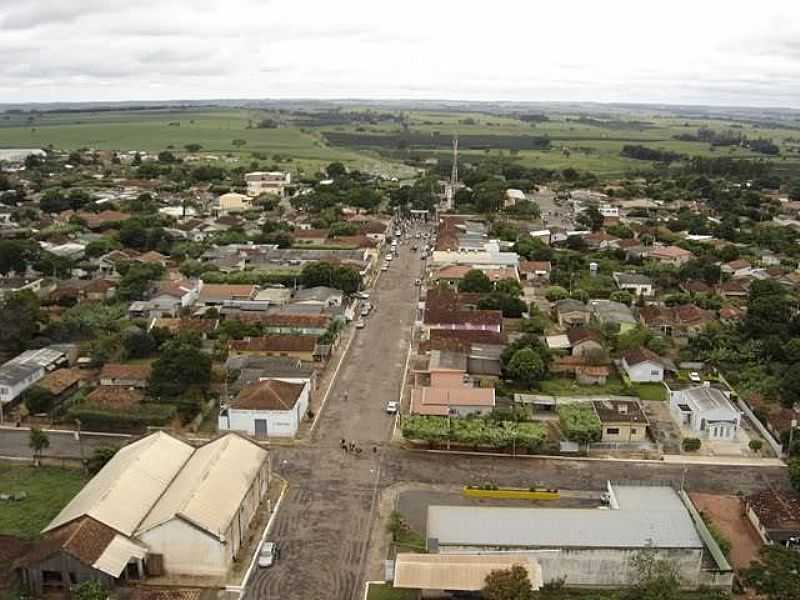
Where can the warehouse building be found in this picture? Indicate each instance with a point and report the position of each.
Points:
(590, 547)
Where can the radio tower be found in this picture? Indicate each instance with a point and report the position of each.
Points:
(450, 192)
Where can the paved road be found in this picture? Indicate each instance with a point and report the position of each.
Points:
(63, 444)
(324, 524)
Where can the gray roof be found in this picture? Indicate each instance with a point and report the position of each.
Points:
(570, 305)
(632, 279)
(444, 359)
(646, 516)
(612, 312)
(13, 374)
(711, 401)
(319, 293)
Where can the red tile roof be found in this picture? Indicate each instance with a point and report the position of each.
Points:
(276, 343)
(268, 395)
(125, 371)
(111, 396)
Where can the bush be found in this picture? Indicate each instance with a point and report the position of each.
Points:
(756, 445)
(691, 444)
(135, 418)
(579, 423)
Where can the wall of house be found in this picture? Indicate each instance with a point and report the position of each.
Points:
(624, 432)
(72, 572)
(589, 346)
(280, 423)
(188, 550)
(607, 567)
(9, 392)
(644, 372)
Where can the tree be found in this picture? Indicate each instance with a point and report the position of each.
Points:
(99, 458)
(507, 584)
(136, 281)
(555, 293)
(511, 306)
(19, 320)
(166, 157)
(336, 170)
(790, 386)
(317, 273)
(89, 590)
(38, 441)
(794, 473)
(192, 148)
(475, 281)
(38, 400)
(656, 578)
(15, 256)
(180, 366)
(579, 423)
(776, 573)
(138, 344)
(526, 367)
(239, 142)
(591, 218)
(509, 286)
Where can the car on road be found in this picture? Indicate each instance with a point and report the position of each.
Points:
(417, 282)
(392, 407)
(694, 377)
(385, 268)
(389, 257)
(362, 295)
(268, 554)
(360, 324)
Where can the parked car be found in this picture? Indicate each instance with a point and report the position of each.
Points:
(694, 377)
(417, 282)
(362, 295)
(360, 324)
(392, 407)
(267, 554)
(385, 267)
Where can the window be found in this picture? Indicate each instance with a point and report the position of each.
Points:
(655, 372)
(51, 577)
(612, 430)
(73, 578)
(633, 431)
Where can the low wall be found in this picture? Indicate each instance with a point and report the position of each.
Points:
(513, 494)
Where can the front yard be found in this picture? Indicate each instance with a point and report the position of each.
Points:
(47, 490)
(385, 591)
(566, 386)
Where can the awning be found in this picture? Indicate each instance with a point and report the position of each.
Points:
(117, 555)
(458, 572)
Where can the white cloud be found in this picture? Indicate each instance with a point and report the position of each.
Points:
(712, 51)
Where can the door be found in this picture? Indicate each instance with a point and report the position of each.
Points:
(261, 428)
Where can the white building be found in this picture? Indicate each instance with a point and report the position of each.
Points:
(635, 283)
(512, 197)
(162, 496)
(267, 182)
(20, 373)
(705, 411)
(267, 408)
(231, 203)
(643, 366)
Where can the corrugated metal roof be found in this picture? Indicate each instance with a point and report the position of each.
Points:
(647, 515)
(120, 495)
(463, 572)
(117, 555)
(209, 489)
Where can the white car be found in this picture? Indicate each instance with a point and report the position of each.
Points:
(389, 257)
(417, 282)
(385, 268)
(363, 295)
(360, 324)
(267, 554)
(392, 407)
(694, 376)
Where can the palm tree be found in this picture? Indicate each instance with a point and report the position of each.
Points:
(39, 441)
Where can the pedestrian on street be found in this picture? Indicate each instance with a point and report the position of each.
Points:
(345, 396)
(374, 449)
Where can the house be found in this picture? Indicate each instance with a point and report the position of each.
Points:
(694, 286)
(616, 314)
(570, 313)
(61, 382)
(585, 371)
(315, 237)
(320, 295)
(230, 203)
(512, 196)
(252, 368)
(642, 365)
(584, 341)
(186, 512)
(451, 275)
(172, 296)
(535, 271)
(446, 310)
(14, 285)
(267, 182)
(443, 369)
(669, 255)
(455, 339)
(203, 327)
(706, 412)
(734, 289)
(682, 321)
(267, 408)
(274, 295)
(587, 547)
(621, 420)
(31, 366)
(635, 283)
(217, 294)
(287, 323)
(600, 240)
(775, 514)
(454, 401)
(737, 268)
(98, 290)
(103, 219)
(125, 375)
(302, 347)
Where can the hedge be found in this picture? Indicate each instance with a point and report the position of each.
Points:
(579, 422)
(130, 419)
(474, 431)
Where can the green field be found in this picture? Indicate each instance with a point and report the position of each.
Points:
(48, 490)
(153, 131)
(583, 143)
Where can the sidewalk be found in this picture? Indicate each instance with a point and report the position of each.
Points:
(723, 460)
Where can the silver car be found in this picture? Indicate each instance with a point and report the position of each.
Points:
(267, 554)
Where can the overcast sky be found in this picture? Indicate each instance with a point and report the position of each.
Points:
(699, 51)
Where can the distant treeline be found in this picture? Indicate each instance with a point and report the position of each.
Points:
(436, 140)
(101, 109)
(534, 118)
(339, 117)
(640, 152)
(610, 123)
(730, 138)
